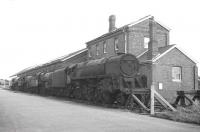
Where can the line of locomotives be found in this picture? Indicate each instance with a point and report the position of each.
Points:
(104, 81)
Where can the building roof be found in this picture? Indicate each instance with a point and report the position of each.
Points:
(145, 18)
(128, 25)
(74, 54)
(65, 57)
(25, 70)
(162, 52)
(57, 60)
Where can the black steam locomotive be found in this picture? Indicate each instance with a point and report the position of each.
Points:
(106, 80)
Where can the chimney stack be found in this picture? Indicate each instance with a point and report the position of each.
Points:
(152, 52)
(112, 19)
(153, 44)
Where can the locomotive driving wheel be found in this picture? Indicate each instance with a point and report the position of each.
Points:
(77, 93)
(69, 91)
(105, 91)
(130, 104)
(98, 95)
(90, 93)
(121, 99)
(84, 92)
(107, 98)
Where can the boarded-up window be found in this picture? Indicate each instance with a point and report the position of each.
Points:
(116, 44)
(146, 42)
(176, 73)
(104, 47)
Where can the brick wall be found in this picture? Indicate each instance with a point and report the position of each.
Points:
(162, 73)
(135, 40)
(136, 35)
(145, 69)
(110, 46)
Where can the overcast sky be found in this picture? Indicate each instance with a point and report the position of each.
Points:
(36, 31)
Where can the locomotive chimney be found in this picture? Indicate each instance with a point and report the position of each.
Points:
(153, 44)
(112, 19)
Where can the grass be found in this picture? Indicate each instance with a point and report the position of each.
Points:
(190, 114)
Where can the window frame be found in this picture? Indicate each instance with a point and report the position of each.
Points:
(89, 52)
(116, 45)
(97, 49)
(180, 74)
(146, 43)
(104, 47)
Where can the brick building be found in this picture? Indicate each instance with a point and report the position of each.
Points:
(164, 65)
(131, 38)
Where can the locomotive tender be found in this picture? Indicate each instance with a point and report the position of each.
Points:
(106, 80)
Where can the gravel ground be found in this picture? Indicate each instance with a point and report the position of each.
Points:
(20, 112)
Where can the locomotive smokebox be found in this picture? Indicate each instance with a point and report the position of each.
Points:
(112, 20)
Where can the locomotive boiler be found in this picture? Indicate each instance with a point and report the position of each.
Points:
(125, 65)
(104, 80)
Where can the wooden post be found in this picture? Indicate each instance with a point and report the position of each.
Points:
(152, 100)
(140, 103)
(163, 101)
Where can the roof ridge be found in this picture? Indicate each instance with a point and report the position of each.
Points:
(140, 20)
(164, 53)
(128, 25)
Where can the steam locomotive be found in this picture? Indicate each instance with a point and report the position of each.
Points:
(106, 80)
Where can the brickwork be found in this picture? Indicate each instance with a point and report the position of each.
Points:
(146, 70)
(135, 40)
(137, 33)
(109, 48)
(162, 72)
